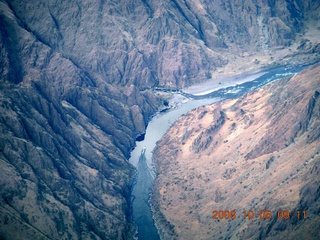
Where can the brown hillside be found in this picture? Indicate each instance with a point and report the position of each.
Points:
(259, 152)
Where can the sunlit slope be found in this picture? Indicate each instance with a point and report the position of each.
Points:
(259, 152)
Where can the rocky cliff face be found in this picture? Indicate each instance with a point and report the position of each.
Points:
(170, 43)
(66, 133)
(259, 152)
(75, 80)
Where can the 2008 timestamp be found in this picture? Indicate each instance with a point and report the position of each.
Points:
(263, 214)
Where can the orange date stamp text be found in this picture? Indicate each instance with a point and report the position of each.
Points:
(262, 214)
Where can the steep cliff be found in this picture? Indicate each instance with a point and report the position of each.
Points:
(66, 134)
(170, 43)
(75, 93)
(256, 153)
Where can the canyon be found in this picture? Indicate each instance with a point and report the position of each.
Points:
(256, 153)
(76, 92)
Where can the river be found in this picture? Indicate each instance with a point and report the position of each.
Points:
(141, 156)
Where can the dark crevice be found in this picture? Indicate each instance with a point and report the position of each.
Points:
(25, 26)
(11, 47)
(21, 219)
(89, 79)
(148, 8)
(199, 28)
(188, 20)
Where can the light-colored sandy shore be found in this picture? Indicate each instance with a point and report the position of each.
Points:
(247, 66)
(222, 82)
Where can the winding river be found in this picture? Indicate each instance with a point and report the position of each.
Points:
(141, 156)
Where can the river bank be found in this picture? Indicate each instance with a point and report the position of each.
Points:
(223, 82)
(165, 228)
(232, 80)
(161, 122)
(262, 134)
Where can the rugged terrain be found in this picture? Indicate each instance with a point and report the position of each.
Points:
(76, 81)
(66, 134)
(259, 152)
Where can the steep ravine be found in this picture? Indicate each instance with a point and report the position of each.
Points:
(64, 174)
(75, 93)
(64, 143)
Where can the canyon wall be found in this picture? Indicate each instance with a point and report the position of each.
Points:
(76, 81)
(256, 153)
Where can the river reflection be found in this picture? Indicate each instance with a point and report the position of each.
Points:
(141, 208)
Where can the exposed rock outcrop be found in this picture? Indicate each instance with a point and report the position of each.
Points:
(66, 133)
(149, 43)
(75, 93)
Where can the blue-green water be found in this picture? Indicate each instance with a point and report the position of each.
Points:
(141, 156)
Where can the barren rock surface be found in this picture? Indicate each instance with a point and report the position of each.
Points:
(75, 93)
(259, 152)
